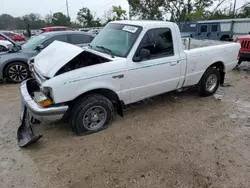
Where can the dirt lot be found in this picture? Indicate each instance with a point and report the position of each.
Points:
(174, 140)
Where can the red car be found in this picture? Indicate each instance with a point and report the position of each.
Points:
(55, 28)
(13, 36)
(244, 53)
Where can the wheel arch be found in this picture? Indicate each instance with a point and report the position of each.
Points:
(109, 94)
(223, 37)
(219, 65)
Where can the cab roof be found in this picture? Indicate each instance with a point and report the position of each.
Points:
(143, 23)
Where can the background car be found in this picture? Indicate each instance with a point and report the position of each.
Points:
(13, 36)
(244, 53)
(55, 28)
(13, 64)
(5, 45)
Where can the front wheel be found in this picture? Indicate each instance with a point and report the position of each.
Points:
(210, 82)
(17, 72)
(91, 114)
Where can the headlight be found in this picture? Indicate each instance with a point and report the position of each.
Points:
(9, 45)
(43, 97)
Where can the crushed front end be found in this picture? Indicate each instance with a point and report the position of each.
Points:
(36, 105)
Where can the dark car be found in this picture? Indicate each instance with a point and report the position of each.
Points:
(13, 64)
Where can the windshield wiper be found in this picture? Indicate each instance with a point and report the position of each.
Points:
(90, 45)
(107, 50)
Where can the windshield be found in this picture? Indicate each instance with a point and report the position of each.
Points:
(117, 38)
(33, 42)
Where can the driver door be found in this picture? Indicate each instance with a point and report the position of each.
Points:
(160, 73)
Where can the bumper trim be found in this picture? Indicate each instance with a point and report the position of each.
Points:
(34, 108)
(244, 55)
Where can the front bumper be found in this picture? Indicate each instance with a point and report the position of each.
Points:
(27, 87)
(244, 56)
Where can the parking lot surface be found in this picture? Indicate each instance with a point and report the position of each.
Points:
(173, 140)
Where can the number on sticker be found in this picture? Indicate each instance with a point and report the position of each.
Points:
(130, 29)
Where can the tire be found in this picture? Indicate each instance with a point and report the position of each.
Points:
(208, 87)
(3, 48)
(91, 114)
(225, 38)
(17, 72)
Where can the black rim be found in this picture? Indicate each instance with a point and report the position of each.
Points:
(18, 73)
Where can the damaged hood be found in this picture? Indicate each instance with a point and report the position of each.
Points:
(58, 54)
(55, 56)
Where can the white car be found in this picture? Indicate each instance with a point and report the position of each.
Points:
(5, 45)
(127, 62)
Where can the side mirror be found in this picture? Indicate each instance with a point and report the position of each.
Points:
(39, 47)
(144, 54)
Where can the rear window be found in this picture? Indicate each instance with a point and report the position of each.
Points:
(188, 27)
(80, 38)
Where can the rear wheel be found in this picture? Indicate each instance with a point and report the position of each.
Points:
(17, 72)
(210, 82)
(91, 114)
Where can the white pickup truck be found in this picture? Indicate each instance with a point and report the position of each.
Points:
(127, 62)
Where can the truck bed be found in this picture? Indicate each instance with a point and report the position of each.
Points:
(202, 53)
(190, 43)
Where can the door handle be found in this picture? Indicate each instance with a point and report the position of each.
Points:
(174, 63)
(118, 76)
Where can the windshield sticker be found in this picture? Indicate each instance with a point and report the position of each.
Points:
(130, 29)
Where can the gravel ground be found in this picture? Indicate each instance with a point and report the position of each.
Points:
(173, 140)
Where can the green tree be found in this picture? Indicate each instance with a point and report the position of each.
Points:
(244, 11)
(48, 20)
(34, 20)
(7, 22)
(60, 19)
(108, 16)
(118, 12)
(85, 17)
(147, 9)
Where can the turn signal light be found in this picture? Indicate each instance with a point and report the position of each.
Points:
(45, 103)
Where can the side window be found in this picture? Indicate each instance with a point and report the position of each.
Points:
(204, 28)
(214, 28)
(80, 39)
(159, 42)
(62, 38)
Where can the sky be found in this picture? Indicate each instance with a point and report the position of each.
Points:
(43, 7)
